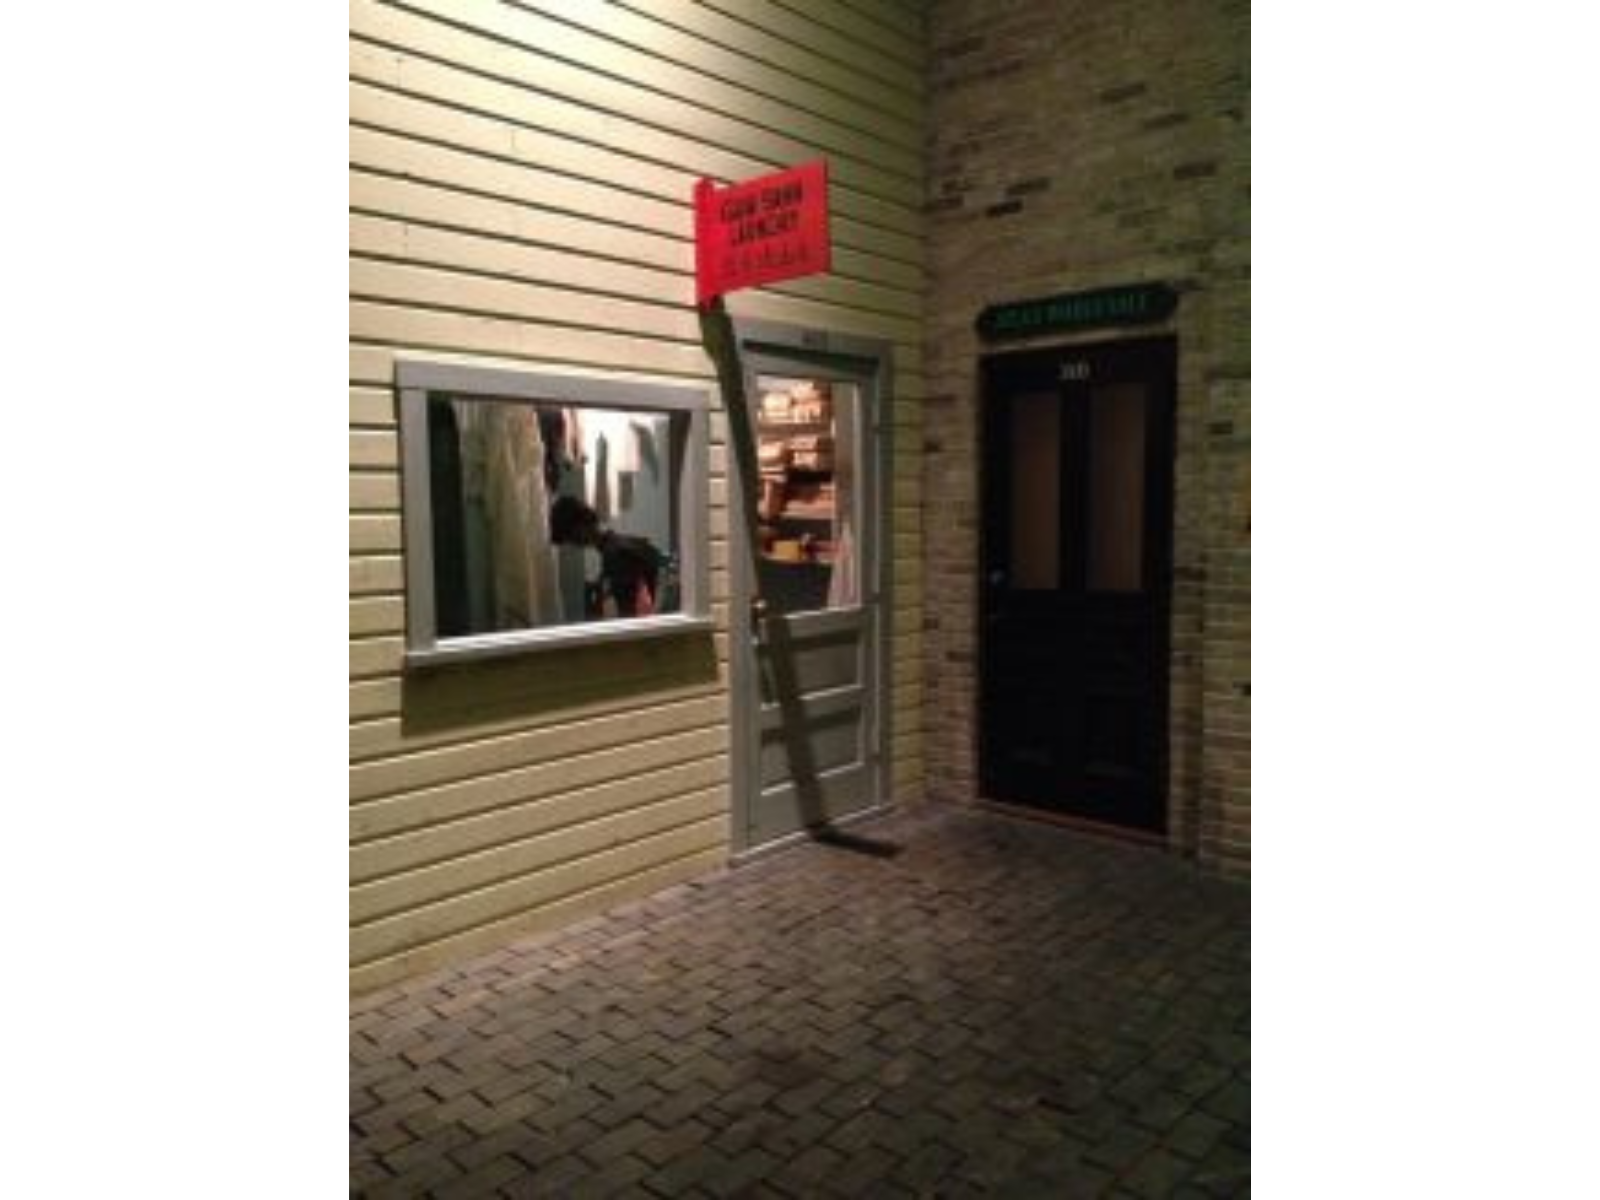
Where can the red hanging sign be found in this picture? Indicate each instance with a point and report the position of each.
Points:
(761, 231)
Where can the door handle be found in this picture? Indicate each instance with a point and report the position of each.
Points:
(758, 609)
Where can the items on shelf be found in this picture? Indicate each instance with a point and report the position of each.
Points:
(814, 500)
(808, 548)
(775, 406)
(806, 403)
(809, 401)
(812, 452)
(772, 492)
(773, 454)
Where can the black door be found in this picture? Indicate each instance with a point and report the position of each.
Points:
(1077, 535)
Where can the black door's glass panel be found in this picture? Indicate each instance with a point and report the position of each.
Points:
(1035, 517)
(1116, 488)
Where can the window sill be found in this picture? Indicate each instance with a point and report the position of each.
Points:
(561, 637)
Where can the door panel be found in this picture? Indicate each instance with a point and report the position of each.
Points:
(1075, 605)
(835, 742)
(818, 661)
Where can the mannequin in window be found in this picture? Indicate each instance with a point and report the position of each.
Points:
(630, 567)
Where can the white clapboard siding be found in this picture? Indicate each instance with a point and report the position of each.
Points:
(435, 188)
(375, 656)
(372, 367)
(374, 534)
(376, 576)
(632, 850)
(644, 202)
(513, 858)
(484, 251)
(587, 732)
(903, 17)
(798, 26)
(811, 60)
(587, 898)
(448, 802)
(867, 32)
(408, 218)
(497, 336)
(376, 698)
(400, 152)
(473, 66)
(434, 287)
(598, 72)
(374, 448)
(372, 407)
(440, 843)
(521, 176)
(560, 681)
(730, 80)
(430, 109)
(437, 288)
(385, 614)
(389, 738)
(374, 491)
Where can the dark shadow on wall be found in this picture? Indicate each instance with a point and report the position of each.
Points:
(453, 696)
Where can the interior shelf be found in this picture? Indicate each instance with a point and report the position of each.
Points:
(785, 515)
(797, 562)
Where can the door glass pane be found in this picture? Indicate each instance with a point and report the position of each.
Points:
(1116, 488)
(1035, 517)
(807, 443)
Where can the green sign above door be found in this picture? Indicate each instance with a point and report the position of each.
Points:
(1132, 304)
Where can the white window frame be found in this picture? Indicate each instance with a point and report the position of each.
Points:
(417, 377)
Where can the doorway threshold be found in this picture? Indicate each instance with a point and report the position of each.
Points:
(1116, 833)
(840, 833)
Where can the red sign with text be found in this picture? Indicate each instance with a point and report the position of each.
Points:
(761, 231)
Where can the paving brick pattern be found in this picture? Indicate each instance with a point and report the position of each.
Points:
(998, 1008)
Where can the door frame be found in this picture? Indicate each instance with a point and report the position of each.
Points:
(1162, 347)
(770, 347)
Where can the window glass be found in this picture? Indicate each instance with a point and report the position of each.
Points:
(1035, 517)
(806, 441)
(1116, 487)
(545, 513)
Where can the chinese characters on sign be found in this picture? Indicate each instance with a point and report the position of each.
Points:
(761, 231)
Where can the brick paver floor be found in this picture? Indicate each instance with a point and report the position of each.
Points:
(998, 1007)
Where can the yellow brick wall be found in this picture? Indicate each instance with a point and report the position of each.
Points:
(1076, 145)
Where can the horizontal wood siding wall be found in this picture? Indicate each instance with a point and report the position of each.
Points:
(519, 182)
